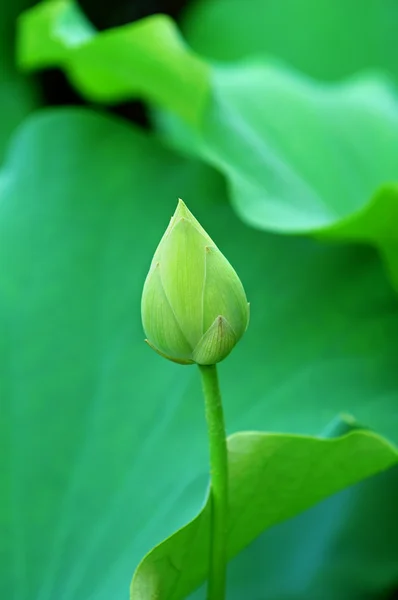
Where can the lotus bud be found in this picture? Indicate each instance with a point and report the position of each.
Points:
(194, 308)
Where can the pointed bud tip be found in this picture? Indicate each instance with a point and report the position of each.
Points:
(181, 207)
(182, 210)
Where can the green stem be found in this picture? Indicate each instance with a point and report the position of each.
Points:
(218, 483)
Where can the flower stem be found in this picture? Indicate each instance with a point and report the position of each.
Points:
(218, 483)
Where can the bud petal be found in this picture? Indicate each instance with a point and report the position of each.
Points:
(225, 299)
(160, 323)
(182, 267)
(216, 343)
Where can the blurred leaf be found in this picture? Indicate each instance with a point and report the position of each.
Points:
(9, 12)
(300, 156)
(327, 40)
(17, 96)
(95, 427)
(17, 100)
(303, 157)
(147, 58)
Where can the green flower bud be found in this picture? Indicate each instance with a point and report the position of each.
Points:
(194, 308)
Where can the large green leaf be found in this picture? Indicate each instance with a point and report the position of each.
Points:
(104, 445)
(299, 156)
(272, 477)
(322, 38)
(343, 548)
(304, 157)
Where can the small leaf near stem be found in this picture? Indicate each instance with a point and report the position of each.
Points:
(218, 483)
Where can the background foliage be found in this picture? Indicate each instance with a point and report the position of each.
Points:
(104, 447)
